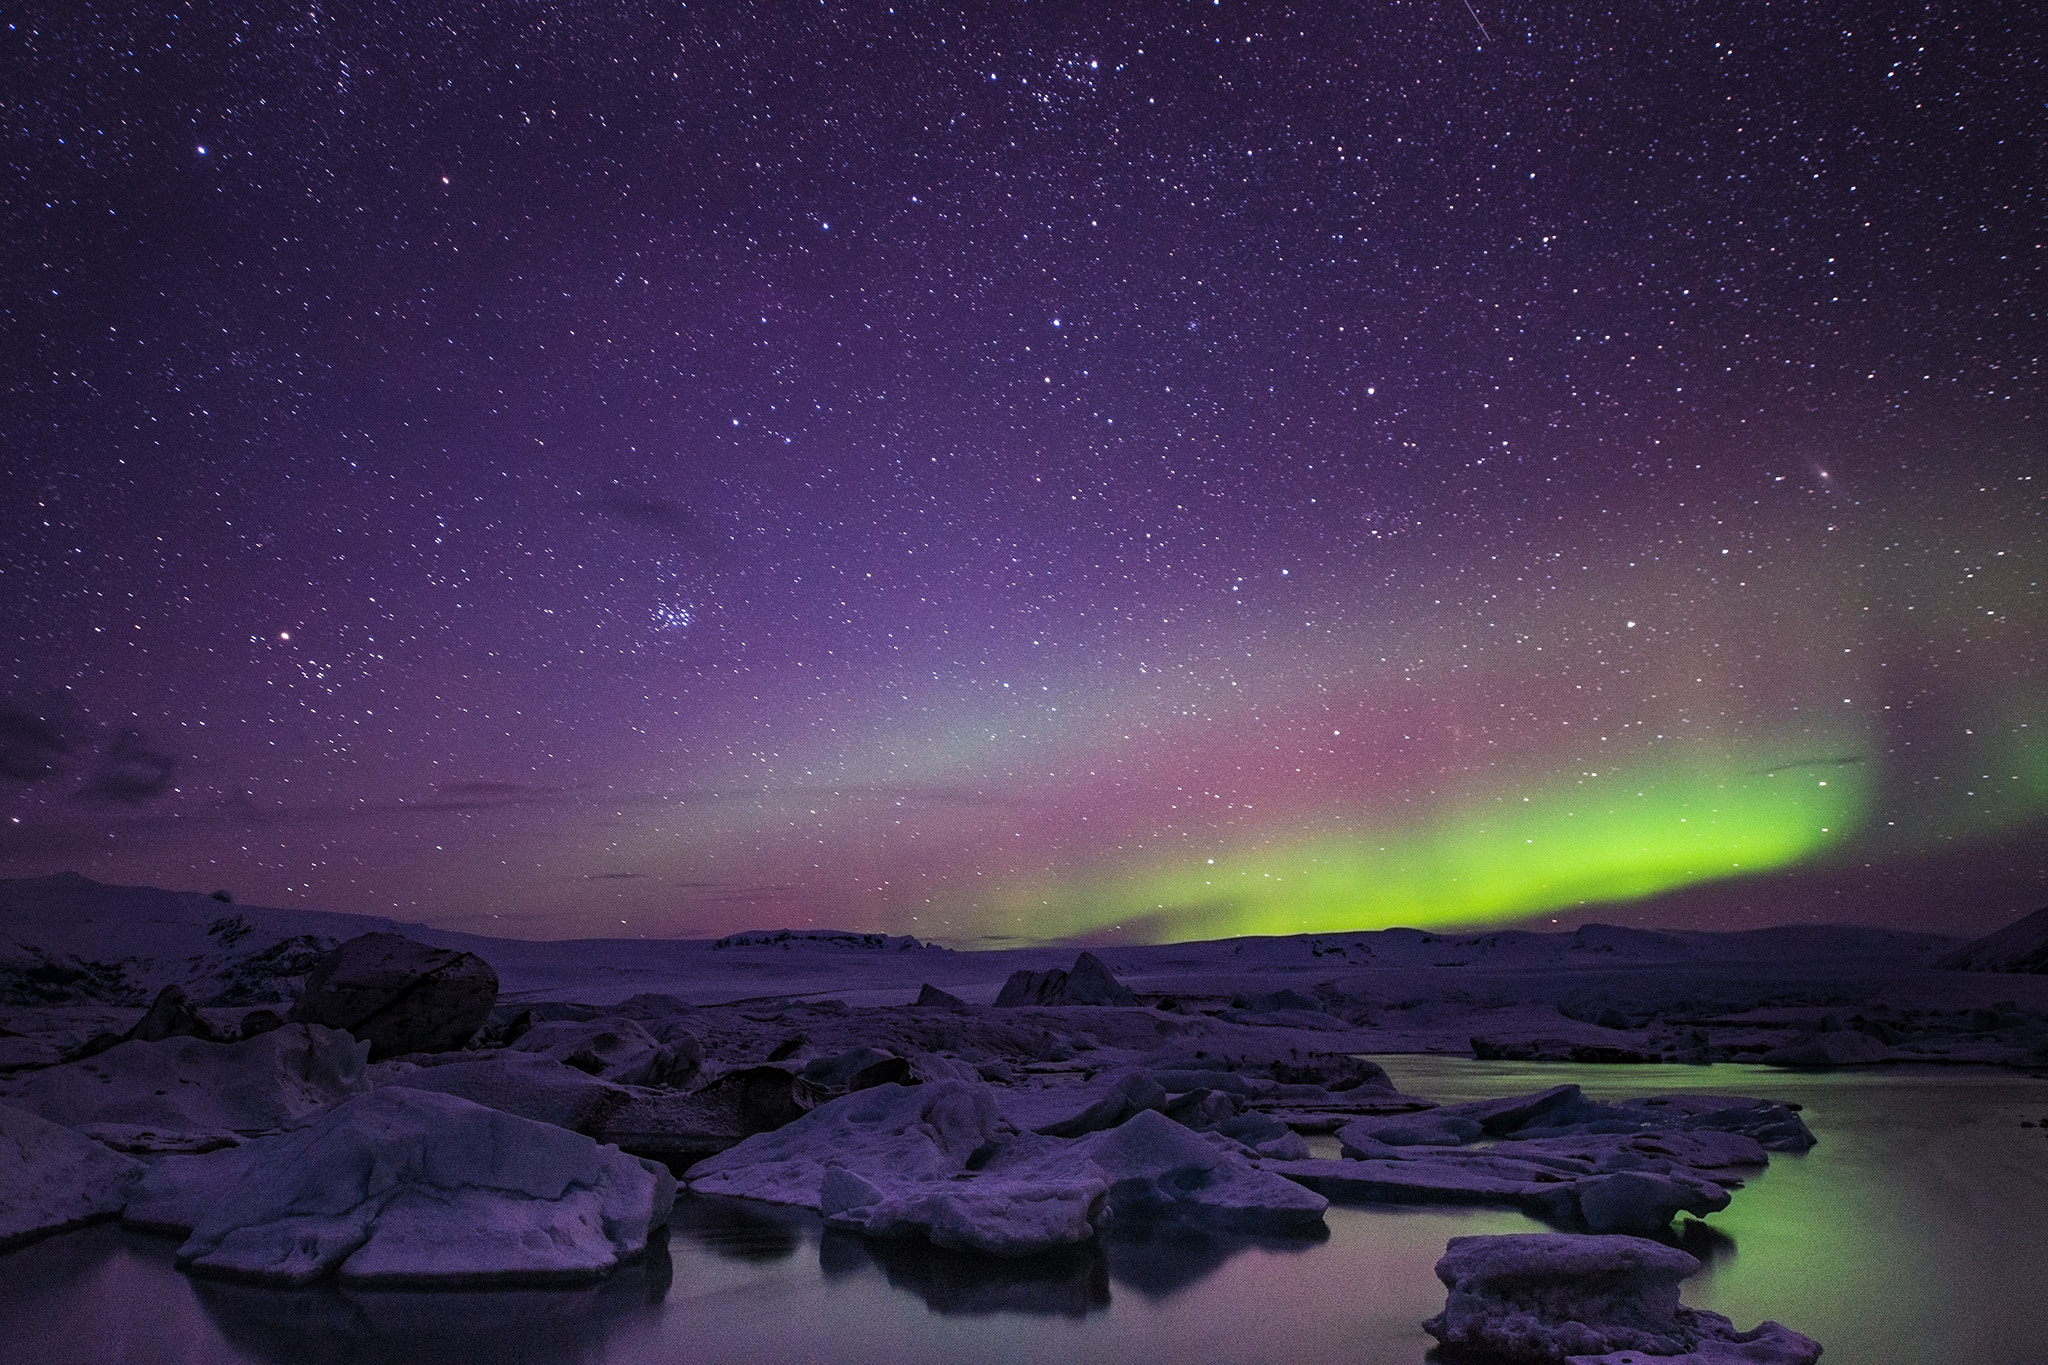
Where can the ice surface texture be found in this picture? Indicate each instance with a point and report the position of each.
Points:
(407, 1187)
(938, 1161)
(185, 1094)
(52, 1178)
(1565, 1297)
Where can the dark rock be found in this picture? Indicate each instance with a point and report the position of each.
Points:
(1845, 1047)
(34, 978)
(1202, 1110)
(760, 1098)
(1639, 1203)
(270, 975)
(931, 997)
(1090, 983)
(859, 1068)
(506, 1026)
(260, 1021)
(1286, 1000)
(1132, 1095)
(1338, 1072)
(2019, 947)
(1361, 1137)
(1557, 1050)
(1517, 1050)
(1561, 1104)
(399, 996)
(94, 1046)
(171, 1016)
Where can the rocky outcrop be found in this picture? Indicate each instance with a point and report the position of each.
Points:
(930, 997)
(2019, 947)
(171, 1016)
(399, 996)
(1842, 1047)
(404, 1187)
(1089, 983)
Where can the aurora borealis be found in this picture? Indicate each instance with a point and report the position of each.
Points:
(1201, 470)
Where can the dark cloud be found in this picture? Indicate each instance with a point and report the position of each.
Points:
(484, 794)
(32, 745)
(131, 772)
(489, 787)
(689, 526)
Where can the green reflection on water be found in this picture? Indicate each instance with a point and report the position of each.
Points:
(1912, 1233)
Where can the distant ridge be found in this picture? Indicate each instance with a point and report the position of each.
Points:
(2019, 947)
(822, 938)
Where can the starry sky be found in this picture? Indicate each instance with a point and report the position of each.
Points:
(1029, 470)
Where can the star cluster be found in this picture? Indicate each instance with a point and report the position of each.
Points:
(1171, 470)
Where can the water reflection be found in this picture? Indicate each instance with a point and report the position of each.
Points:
(1169, 1258)
(741, 1229)
(1070, 1283)
(1706, 1244)
(325, 1324)
(1912, 1233)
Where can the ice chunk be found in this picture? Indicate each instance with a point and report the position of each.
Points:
(404, 1186)
(533, 1087)
(615, 1049)
(891, 1134)
(1560, 1296)
(1132, 1092)
(1156, 1168)
(996, 1216)
(1641, 1202)
(52, 1178)
(1432, 1128)
(181, 1093)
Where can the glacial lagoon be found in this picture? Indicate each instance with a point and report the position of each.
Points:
(1917, 1231)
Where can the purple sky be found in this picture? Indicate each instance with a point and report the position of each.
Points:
(1138, 472)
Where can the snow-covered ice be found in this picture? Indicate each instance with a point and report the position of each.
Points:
(52, 1178)
(178, 1094)
(405, 1186)
(1564, 1297)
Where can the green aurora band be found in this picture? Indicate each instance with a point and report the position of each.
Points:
(1605, 837)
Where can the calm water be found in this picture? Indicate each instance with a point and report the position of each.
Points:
(1916, 1232)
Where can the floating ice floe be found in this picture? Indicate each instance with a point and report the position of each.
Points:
(405, 1186)
(1591, 1301)
(52, 1178)
(1604, 1168)
(937, 1161)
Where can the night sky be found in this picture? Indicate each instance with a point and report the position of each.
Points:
(1012, 471)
